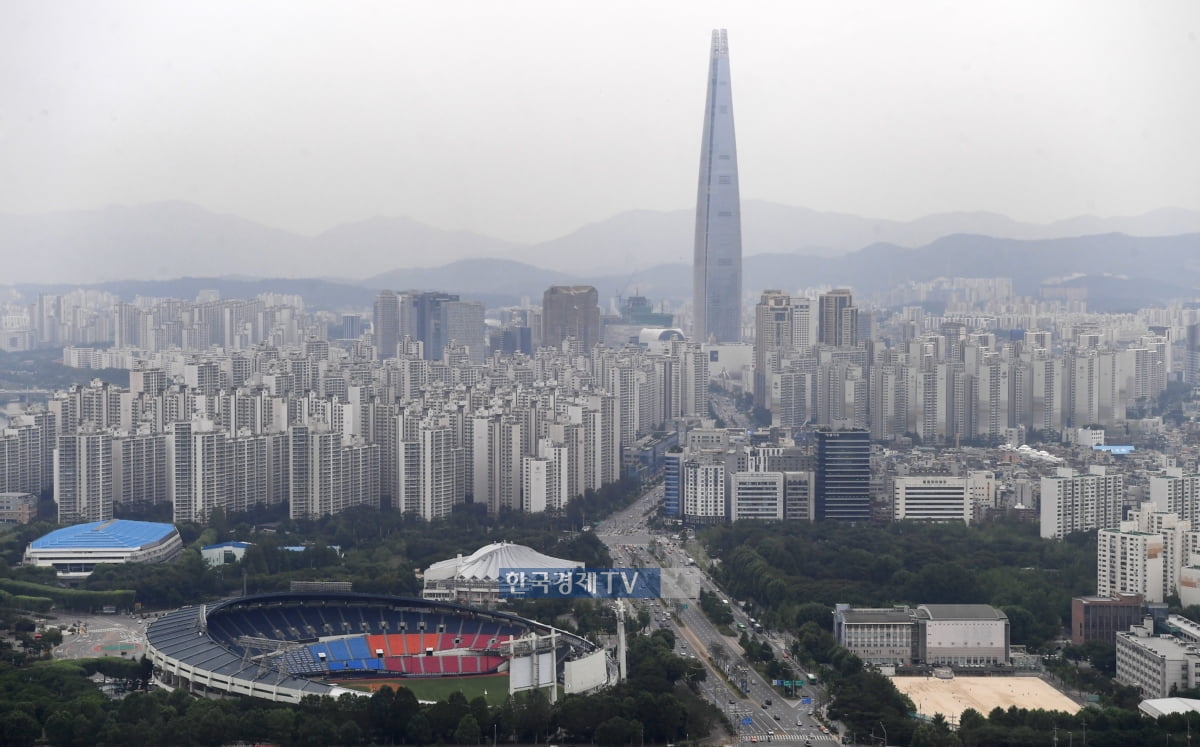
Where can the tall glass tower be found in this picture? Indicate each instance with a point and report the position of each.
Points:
(717, 273)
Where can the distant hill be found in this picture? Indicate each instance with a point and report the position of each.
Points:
(1121, 273)
(175, 239)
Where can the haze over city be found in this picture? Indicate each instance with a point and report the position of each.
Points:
(526, 121)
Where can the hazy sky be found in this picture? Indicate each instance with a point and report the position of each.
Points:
(525, 120)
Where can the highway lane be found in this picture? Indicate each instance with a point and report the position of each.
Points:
(628, 539)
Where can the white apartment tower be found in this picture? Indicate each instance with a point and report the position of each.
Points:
(83, 484)
(1080, 503)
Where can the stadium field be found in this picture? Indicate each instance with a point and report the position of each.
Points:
(494, 687)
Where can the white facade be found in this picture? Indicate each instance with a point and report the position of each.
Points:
(931, 498)
(1155, 664)
(1130, 561)
(1177, 493)
(1080, 503)
(756, 495)
(83, 480)
(703, 491)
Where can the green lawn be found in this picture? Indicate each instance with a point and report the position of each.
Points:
(440, 688)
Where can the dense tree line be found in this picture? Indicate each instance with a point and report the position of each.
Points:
(797, 571)
(57, 701)
(378, 551)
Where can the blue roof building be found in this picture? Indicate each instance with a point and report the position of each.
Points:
(76, 550)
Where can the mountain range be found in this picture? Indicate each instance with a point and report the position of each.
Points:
(176, 239)
(1121, 272)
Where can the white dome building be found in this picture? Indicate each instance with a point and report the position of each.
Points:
(475, 579)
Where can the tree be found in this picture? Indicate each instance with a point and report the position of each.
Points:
(614, 732)
(468, 731)
(418, 730)
(19, 729)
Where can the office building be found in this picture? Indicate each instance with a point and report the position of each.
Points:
(717, 269)
(1156, 664)
(931, 498)
(1100, 618)
(843, 479)
(429, 320)
(837, 318)
(462, 324)
(386, 324)
(570, 311)
(756, 495)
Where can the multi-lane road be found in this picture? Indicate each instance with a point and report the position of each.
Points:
(760, 713)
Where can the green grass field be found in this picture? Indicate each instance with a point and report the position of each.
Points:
(435, 688)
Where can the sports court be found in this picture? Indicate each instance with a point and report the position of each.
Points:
(950, 697)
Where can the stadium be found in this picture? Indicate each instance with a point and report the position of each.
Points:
(288, 645)
(74, 551)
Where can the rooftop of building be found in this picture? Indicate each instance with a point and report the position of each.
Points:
(1163, 645)
(112, 534)
(1155, 707)
(960, 612)
(486, 562)
(869, 616)
(234, 544)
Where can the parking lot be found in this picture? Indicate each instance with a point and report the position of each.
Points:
(101, 635)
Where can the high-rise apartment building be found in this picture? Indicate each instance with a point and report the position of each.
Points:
(1080, 503)
(570, 311)
(843, 479)
(83, 480)
(717, 269)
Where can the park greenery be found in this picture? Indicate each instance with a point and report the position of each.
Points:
(378, 551)
(58, 702)
(795, 572)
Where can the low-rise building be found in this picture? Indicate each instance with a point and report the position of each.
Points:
(75, 551)
(880, 637)
(1156, 664)
(962, 635)
(224, 552)
(17, 508)
(475, 579)
(1100, 618)
(955, 635)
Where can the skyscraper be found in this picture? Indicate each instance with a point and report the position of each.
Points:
(838, 318)
(570, 311)
(387, 324)
(717, 272)
(843, 490)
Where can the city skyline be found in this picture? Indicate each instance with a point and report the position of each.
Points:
(895, 113)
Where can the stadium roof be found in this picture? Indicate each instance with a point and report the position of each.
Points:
(486, 562)
(114, 533)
